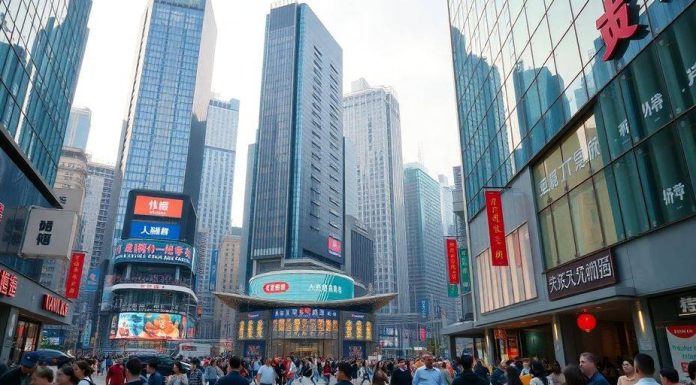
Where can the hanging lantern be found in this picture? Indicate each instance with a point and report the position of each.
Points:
(587, 322)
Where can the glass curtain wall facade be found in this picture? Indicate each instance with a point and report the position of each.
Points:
(77, 132)
(41, 48)
(298, 193)
(371, 121)
(215, 200)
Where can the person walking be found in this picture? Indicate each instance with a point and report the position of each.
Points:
(195, 376)
(538, 373)
(116, 374)
(21, 375)
(234, 377)
(178, 377)
(42, 376)
(134, 369)
(644, 369)
(401, 375)
(669, 376)
(629, 374)
(498, 377)
(66, 376)
(267, 374)
(343, 374)
(153, 376)
(380, 375)
(512, 376)
(467, 377)
(574, 376)
(83, 371)
(556, 376)
(428, 375)
(210, 375)
(588, 366)
(326, 372)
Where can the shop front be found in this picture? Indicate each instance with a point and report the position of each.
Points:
(674, 320)
(25, 307)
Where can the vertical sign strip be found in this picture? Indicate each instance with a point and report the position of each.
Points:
(452, 261)
(464, 270)
(496, 228)
(72, 284)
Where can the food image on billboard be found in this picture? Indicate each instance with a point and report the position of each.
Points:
(158, 206)
(148, 326)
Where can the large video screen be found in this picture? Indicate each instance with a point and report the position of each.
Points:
(148, 326)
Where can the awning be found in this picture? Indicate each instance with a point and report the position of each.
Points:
(234, 300)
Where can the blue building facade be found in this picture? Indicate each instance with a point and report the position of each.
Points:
(590, 138)
(298, 193)
(79, 123)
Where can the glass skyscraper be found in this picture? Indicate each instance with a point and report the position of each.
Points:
(77, 132)
(41, 49)
(581, 113)
(215, 201)
(372, 122)
(298, 177)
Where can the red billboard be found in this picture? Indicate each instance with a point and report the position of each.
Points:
(334, 246)
(72, 283)
(452, 261)
(496, 228)
(158, 206)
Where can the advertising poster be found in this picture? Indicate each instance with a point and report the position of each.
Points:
(212, 283)
(158, 206)
(149, 326)
(682, 346)
(154, 230)
(311, 286)
(92, 282)
(254, 349)
(305, 322)
(354, 350)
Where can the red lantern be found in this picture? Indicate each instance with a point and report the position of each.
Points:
(587, 322)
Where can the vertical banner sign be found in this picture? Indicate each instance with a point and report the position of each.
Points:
(212, 282)
(496, 228)
(452, 261)
(464, 270)
(72, 284)
(453, 291)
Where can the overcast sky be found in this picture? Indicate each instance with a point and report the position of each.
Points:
(399, 43)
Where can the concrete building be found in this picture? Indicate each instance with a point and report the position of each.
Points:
(77, 132)
(215, 200)
(227, 280)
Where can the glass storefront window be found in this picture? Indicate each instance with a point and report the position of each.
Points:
(585, 215)
(665, 179)
(687, 133)
(562, 225)
(645, 95)
(548, 238)
(575, 155)
(630, 196)
(678, 58)
(614, 122)
(609, 210)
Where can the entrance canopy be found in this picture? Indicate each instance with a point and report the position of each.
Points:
(237, 301)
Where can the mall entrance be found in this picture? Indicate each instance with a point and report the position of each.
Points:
(304, 348)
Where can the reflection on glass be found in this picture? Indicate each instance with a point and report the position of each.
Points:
(586, 223)
(678, 55)
(687, 133)
(563, 229)
(609, 210)
(560, 18)
(548, 238)
(630, 195)
(614, 125)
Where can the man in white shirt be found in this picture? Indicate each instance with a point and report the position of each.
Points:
(266, 375)
(645, 369)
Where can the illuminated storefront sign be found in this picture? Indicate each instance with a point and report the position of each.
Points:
(154, 252)
(334, 247)
(148, 326)
(304, 322)
(314, 286)
(8, 284)
(581, 275)
(55, 305)
(357, 327)
(158, 206)
(154, 230)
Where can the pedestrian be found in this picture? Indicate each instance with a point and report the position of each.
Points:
(153, 376)
(255, 367)
(42, 376)
(538, 373)
(467, 377)
(66, 376)
(669, 376)
(574, 376)
(343, 371)
(512, 376)
(267, 374)
(401, 375)
(428, 375)
(629, 374)
(134, 369)
(326, 372)
(116, 374)
(588, 366)
(380, 375)
(195, 376)
(644, 369)
(498, 377)
(178, 377)
(22, 373)
(691, 369)
(556, 376)
(445, 373)
(481, 370)
(234, 377)
(83, 371)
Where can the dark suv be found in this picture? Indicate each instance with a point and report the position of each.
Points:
(164, 363)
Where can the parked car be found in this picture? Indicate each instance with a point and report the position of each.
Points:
(52, 357)
(164, 362)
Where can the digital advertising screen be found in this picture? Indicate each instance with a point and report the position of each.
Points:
(154, 230)
(305, 322)
(158, 206)
(312, 286)
(148, 326)
(154, 251)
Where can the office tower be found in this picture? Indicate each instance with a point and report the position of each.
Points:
(425, 244)
(227, 279)
(77, 133)
(360, 254)
(446, 210)
(163, 135)
(298, 178)
(215, 200)
(371, 121)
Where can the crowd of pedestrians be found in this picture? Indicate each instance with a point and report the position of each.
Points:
(424, 370)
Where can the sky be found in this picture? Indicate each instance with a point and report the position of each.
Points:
(399, 43)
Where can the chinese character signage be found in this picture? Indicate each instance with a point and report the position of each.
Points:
(464, 270)
(49, 233)
(55, 305)
(581, 275)
(72, 282)
(8, 284)
(452, 261)
(424, 309)
(303, 322)
(314, 286)
(687, 306)
(615, 25)
(453, 291)
(334, 247)
(212, 281)
(496, 228)
(575, 162)
(154, 230)
(158, 206)
(154, 251)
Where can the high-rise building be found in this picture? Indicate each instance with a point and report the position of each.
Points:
(446, 208)
(371, 121)
(576, 124)
(215, 200)
(425, 244)
(163, 135)
(227, 280)
(297, 218)
(77, 132)
(360, 254)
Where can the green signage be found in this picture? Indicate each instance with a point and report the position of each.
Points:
(464, 271)
(453, 291)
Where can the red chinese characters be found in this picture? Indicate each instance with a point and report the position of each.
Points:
(615, 25)
(72, 284)
(452, 261)
(8, 284)
(496, 228)
(276, 287)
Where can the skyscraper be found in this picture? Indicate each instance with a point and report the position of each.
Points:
(446, 208)
(371, 121)
(227, 280)
(425, 244)
(162, 141)
(298, 177)
(77, 132)
(215, 200)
